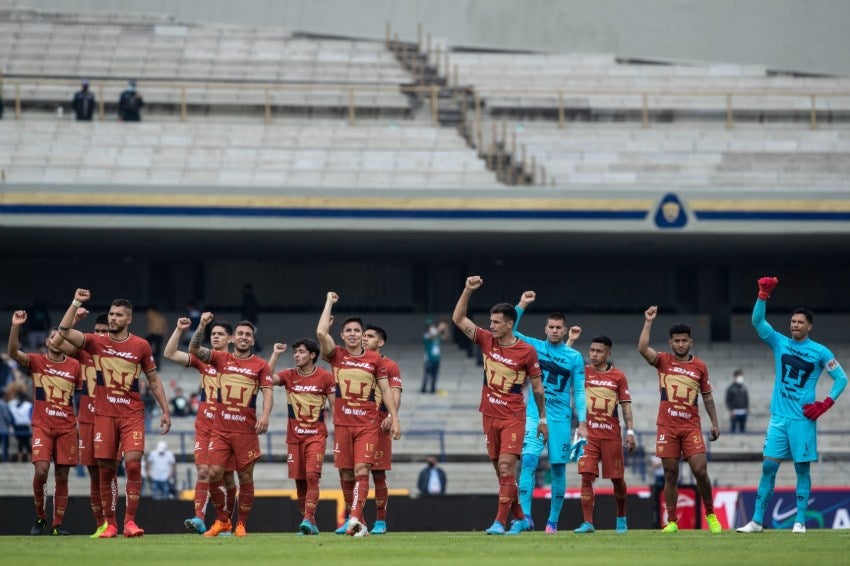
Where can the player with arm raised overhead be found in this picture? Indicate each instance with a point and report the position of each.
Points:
(120, 358)
(794, 410)
(682, 377)
(563, 379)
(56, 378)
(508, 363)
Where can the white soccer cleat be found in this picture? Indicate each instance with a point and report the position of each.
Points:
(354, 527)
(799, 528)
(751, 527)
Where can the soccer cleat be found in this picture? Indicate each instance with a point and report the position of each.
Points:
(132, 530)
(195, 524)
(799, 528)
(585, 528)
(39, 528)
(379, 528)
(751, 527)
(308, 528)
(496, 528)
(111, 531)
(713, 523)
(530, 522)
(99, 530)
(363, 532)
(621, 525)
(671, 527)
(518, 526)
(240, 531)
(354, 526)
(59, 531)
(218, 528)
(342, 528)
(551, 528)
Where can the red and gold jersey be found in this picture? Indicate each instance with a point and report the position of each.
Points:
(54, 384)
(239, 380)
(205, 419)
(604, 391)
(119, 365)
(680, 383)
(392, 372)
(305, 398)
(87, 396)
(505, 370)
(356, 378)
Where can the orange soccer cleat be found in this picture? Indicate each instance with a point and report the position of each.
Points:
(217, 528)
(132, 530)
(240, 531)
(111, 531)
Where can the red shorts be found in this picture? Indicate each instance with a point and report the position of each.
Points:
(306, 456)
(679, 442)
(607, 451)
(203, 435)
(354, 445)
(114, 435)
(237, 449)
(384, 452)
(86, 446)
(503, 436)
(58, 445)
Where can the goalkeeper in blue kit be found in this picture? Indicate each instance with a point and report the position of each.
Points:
(563, 369)
(792, 432)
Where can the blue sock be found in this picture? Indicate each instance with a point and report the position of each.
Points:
(559, 485)
(804, 489)
(765, 490)
(526, 482)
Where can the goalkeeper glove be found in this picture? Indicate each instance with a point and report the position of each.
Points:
(813, 410)
(577, 447)
(766, 285)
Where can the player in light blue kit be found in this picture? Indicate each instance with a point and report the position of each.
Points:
(562, 368)
(792, 433)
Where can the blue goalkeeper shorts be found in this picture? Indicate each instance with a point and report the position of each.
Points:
(791, 439)
(558, 445)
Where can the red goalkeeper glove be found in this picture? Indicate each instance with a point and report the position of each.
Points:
(766, 285)
(813, 410)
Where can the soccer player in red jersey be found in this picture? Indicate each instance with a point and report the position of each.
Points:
(605, 389)
(221, 334)
(56, 377)
(308, 388)
(682, 377)
(86, 412)
(356, 374)
(374, 338)
(508, 362)
(241, 376)
(119, 358)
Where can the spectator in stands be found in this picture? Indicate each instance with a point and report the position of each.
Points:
(130, 104)
(180, 404)
(157, 327)
(738, 402)
(434, 334)
(161, 471)
(432, 479)
(6, 430)
(83, 102)
(20, 408)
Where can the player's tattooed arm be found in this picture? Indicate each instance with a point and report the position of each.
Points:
(708, 401)
(459, 315)
(195, 347)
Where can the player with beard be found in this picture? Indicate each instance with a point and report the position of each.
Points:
(235, 436)
(119, 358)
(221, 334)
(56, 377)
(356, 374)
(681, 378)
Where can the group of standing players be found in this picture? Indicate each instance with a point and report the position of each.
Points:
(363, 392)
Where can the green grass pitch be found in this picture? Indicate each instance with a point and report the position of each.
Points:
(815, 548)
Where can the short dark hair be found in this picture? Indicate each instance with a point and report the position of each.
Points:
(247, 323)
(602, 339)
(225, 325)
(356, 319)
(810, 316)
(122, 303)
(680, 328)
(378, 330)
(102, 319)
(310, 345)
(505, 309)
(557, 316)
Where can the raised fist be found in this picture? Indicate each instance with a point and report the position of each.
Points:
(207, 318)
(332, 297)
(279, 348)
(474, 282)
(651, 313)
(82, 295)
(19, 317)
(184, 323)
(766, 285)
(527, 298)
(80, 314)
